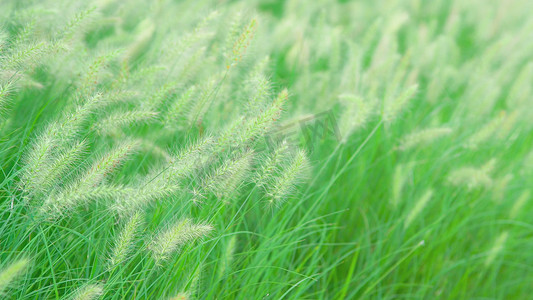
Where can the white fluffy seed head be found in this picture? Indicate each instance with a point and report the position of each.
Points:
(89, 292)
(417, 208)
(486, 132)
(10, 273)
(226, 179)
(87, 84)
(119, 119)
(271, 165)
(36, 163)
(472, 177)
(5, 91)
(227, 260)
(54, 168)
(175, 117)
(190, 158)
(181, 296)
(141, 197)
(356, 114)
(241, 43)
(60, 203)
(519, 204)
(260, 91)
(56, 138)
(402, 173)
(109, 162)
(125, 241)
(393, 108)
(284, 184)
(500, 187)
(171, 239)
(423, 137)
(246, 130)
(497, 248)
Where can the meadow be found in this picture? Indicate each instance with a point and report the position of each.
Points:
(266, 149)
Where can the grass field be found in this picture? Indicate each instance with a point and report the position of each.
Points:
(266, 149)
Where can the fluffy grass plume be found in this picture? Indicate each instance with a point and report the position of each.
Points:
(88, 292)
(497, 248)
(423, 137)
(283, 185)
(473, 177)
(11, 272)
(317, 141)
(271, 165)
(417, 208)
(171, 239)
(125, 241)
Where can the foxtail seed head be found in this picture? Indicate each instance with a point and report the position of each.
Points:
(89, 292)
(11, 272)
(171, 239)
(286, 182)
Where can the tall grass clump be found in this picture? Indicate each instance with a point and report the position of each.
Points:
(266, 149)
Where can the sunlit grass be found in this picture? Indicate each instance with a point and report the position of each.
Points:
(266, 149)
